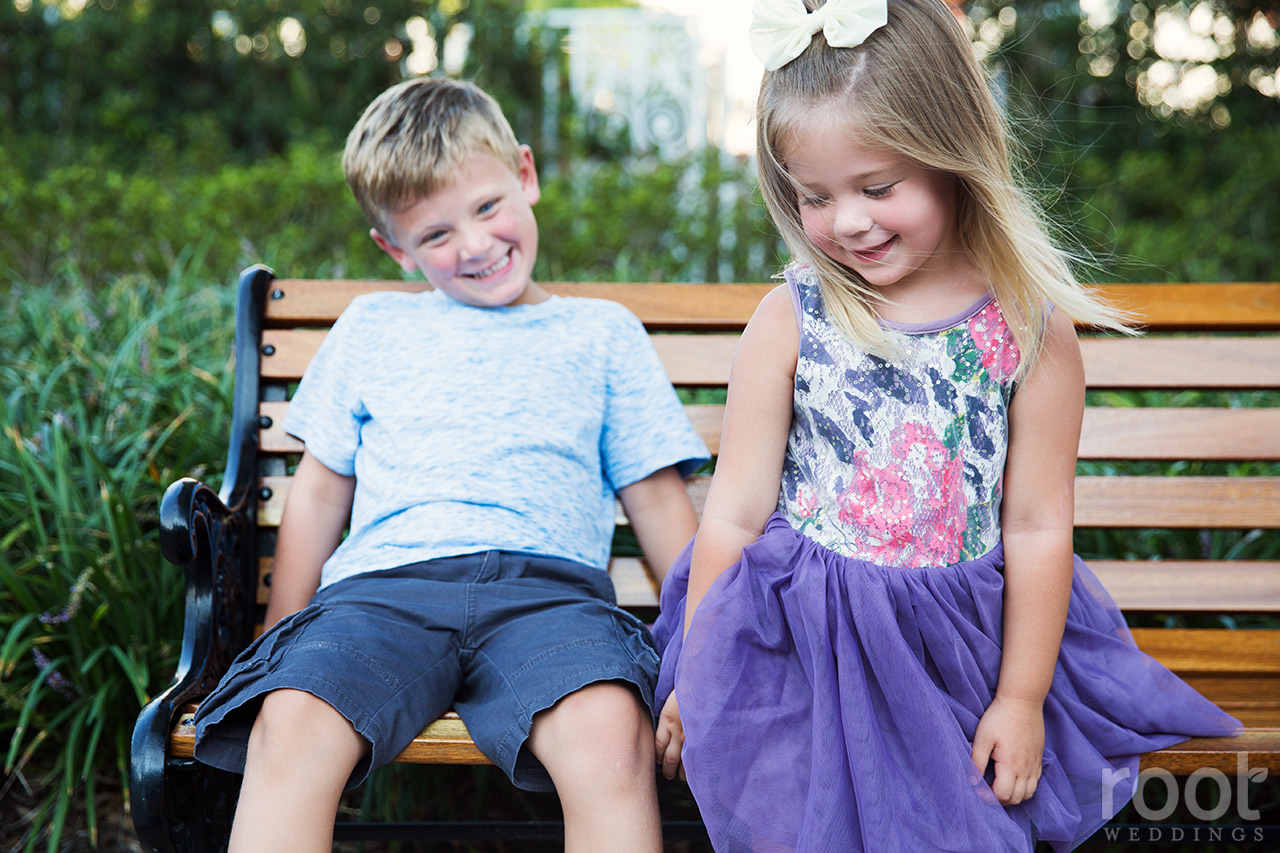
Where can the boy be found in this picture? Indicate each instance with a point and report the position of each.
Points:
(472, 437)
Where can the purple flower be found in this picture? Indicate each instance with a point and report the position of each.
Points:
(55, 679)
(73, 603)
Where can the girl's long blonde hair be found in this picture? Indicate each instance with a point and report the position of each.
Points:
(915, 88)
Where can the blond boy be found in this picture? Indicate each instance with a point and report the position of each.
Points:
(472, 438)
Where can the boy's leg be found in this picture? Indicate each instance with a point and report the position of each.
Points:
(597, 745)
(301, 753)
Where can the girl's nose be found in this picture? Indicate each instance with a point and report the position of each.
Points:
(850, 219)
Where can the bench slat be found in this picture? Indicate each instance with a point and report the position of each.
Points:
(1172, 434)
(1177, 502)
(1136, 434)
(686, 307)
(446, 741)
(1107, 501)
(1224, 754)
(1242, 305)
(1254, 700)
(1225, 586)
(1216, 651)
(1216, 305)
(704, 360)
(706, 420)
(1179, 363)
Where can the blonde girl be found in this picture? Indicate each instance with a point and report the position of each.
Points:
(880, 638)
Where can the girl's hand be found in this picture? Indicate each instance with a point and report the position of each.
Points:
(1011, 733)
(670, 739)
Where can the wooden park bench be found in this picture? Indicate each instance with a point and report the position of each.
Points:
(1180, 445)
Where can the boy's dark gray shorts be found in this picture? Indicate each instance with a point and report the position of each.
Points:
(498, 636)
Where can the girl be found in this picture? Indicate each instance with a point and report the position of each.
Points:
(880, 638)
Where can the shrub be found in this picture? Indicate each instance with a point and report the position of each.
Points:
(103, 388)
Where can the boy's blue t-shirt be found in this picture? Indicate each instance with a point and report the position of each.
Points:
(474, 429)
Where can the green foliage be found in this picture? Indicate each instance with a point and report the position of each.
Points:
(1202, 212)
(124, 72)
(102, 387)
(109, 221)
(149, 154)
(693, 220)
(1107, 74)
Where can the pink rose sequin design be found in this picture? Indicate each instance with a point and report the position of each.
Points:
(901, 521)
(996, 344)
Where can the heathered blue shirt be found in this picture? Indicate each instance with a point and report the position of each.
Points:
(473, 429)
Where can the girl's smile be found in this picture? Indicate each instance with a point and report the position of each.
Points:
(875, 253)
(882, 215)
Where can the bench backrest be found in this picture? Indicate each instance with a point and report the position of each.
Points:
(1180, 440)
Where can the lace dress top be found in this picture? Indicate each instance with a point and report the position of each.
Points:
(900, 463)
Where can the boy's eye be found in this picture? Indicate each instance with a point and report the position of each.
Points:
(878, 192)
(488, 206)
(433, 236)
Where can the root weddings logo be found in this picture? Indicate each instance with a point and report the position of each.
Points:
(1197, 793)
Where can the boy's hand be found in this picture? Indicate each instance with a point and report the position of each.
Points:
(670, 739)
(1011, 733)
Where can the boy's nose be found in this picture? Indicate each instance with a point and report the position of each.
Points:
(475, 242)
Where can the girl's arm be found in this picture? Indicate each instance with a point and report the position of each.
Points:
(757, 418)
(744, 489)
(315, 514)
(662, 517)
(1037, 522)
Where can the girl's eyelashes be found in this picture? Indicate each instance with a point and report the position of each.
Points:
(817, 200)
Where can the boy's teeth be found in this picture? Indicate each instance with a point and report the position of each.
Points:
(489, 270)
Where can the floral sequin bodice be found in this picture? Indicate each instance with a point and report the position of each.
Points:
(900, 463)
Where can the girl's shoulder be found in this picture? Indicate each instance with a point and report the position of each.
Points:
(772, 336)
(801, 279)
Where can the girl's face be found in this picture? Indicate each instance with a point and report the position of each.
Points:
(886, 217)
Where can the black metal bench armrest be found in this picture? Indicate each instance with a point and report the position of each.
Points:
(213, 537)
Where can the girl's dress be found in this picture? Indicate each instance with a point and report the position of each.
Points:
(832, 680)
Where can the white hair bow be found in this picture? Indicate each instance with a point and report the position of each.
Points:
(782, 29)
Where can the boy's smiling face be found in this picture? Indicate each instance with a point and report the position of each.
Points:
(475, 238)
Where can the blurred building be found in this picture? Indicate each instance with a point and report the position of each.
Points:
(640, 69)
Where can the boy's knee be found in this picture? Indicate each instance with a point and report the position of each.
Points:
(295, 723)
(599, 731)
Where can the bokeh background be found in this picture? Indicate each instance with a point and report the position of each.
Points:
(149, 149)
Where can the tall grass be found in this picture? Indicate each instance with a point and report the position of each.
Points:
(110, 392)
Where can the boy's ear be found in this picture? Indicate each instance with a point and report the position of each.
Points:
(400, 256)
(528, 175)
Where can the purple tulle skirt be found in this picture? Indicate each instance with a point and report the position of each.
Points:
(829, 704)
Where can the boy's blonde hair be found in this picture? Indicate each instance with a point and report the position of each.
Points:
(414, 138)
(915, 88)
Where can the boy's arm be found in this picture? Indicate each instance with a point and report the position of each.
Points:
(315, 514)
(661, 515)
(1037, 521)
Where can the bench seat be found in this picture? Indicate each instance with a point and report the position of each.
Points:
(1177, 496)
